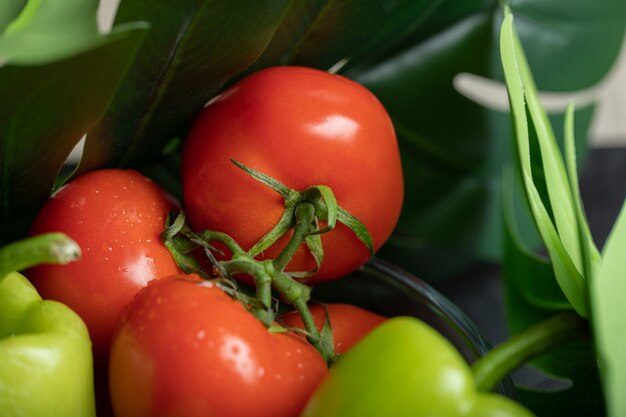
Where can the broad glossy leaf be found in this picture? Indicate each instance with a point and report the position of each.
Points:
(609, 310)
(197, 48)
(193, 49)
(346, 30)
(50, 97)
(415, 82)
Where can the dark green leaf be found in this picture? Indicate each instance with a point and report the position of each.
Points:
(46, 108)
(453, 149)
(355, 29)
(194, 47)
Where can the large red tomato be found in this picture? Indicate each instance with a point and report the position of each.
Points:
(302, 127)
(116, 217)
(349, 323)
(186, 349)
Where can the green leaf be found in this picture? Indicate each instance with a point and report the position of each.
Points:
(193, 49)
(530, 274)
(46, 31)
(531, 296)
(519, 86)
(607, 302)
(351, 30)
(588, 250)
(453, 149)
(9, 10)
(51, 95)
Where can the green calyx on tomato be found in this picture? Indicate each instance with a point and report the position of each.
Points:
(404, 368)
(301, 127)
(298, 127)
(304, 212)
(267, 274)
(326, 209)
(46, 367)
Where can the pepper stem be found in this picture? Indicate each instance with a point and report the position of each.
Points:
(534, 341)
(50, 248)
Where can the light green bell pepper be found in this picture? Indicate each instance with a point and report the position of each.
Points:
(404, 368)
(46, 365)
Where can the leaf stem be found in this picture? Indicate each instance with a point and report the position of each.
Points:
(534, 341)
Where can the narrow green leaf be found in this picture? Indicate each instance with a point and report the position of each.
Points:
(588, 250)
(558, 186)
(530, 274)
(527, 303)
(566, 273)
(609, 310)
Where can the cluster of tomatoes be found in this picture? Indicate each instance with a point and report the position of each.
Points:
(177, 344)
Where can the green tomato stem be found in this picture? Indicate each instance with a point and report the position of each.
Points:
(54, 248)
(534, 341)
(305, 214)
(314, 337)
(298, 295)
(229, 242)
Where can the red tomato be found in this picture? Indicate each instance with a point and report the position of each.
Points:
(302, 127)
(187, 349)
(348, 323)
(116, 217)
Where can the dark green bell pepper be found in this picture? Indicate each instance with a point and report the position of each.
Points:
(404, 368)
(45, 352)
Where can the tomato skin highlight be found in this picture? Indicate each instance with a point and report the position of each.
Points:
(185, 348)
(116, 217)
(303, 127)
(349, 323)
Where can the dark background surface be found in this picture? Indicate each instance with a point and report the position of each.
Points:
(479, 291)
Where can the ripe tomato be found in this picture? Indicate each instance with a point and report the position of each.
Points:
(116, 217)
(184, 348)
(349, 323)
(302, 127)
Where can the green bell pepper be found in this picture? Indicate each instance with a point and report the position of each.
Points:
(404, 368)
(45, 352)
